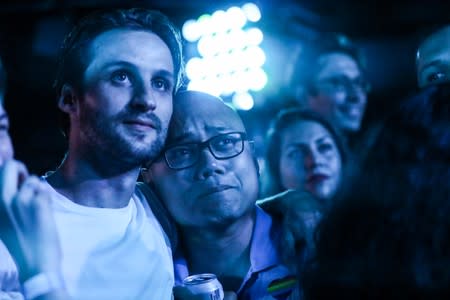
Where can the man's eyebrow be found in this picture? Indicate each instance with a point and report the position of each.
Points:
(165, 73)
(323, 138)
(123, 63)
(434, 63)
(4, 116)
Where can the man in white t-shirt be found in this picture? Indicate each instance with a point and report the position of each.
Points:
(117, 75)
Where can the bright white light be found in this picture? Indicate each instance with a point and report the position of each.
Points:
(237, 60)
(236, 17)
(191, 31)
(254, 57)
(228, 85)
(222, 63)
(254, 36)
(237, 39)
(243, 101)
(221, 42)
(252, 12)
(226, 63)
(219, 21)
(206, 46)
(241, 80)
(257, 79)
(209, 86)
(204, 23)
(230, 59)
(195, 68)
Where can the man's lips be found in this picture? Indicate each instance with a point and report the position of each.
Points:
(216, 189)
(140, 123)
(317, 178)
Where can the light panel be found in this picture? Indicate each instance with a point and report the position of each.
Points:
(230, 62)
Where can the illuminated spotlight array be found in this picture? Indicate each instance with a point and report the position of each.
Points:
(230, 60)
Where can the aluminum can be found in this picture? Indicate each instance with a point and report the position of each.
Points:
(204, 286)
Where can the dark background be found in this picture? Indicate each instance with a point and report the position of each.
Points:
(31, 33)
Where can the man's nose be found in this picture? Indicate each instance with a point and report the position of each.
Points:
(208, 165)
(356, 94)
(144, 98)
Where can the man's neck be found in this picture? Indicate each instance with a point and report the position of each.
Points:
(84, 184)
(224, 252)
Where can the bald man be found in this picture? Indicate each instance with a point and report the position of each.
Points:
(207, 177)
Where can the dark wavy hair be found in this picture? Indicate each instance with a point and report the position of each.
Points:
(72, 58)
(2, 78)
(417, 131)
(271, 183)
(387, 236)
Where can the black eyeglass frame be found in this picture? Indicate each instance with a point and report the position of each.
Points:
(206, 144)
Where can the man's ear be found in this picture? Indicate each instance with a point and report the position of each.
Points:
(67, 100)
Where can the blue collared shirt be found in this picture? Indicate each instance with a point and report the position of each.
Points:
(265, 262)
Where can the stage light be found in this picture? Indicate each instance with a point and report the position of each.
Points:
(191, 30)
(252, 12)
(243, 101)
(231, 59)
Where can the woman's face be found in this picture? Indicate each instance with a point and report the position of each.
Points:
(310, 159)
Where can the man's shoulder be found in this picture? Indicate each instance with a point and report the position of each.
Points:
(152, 202)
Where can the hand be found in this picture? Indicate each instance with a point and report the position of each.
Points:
(26, 199)
(182, 293)
(9, 276)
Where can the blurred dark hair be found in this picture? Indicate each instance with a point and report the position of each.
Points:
(387, 236)
(2, 78)
(271, 183)
(306, 65)
(73, 59)
(383, 239)
(418, 131)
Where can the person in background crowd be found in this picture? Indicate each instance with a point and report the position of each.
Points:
(207, 176)
(304, 152)
(387, 236)
(329, 79)
(433, 58)
(6, 148)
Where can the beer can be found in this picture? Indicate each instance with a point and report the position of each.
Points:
(204, 286)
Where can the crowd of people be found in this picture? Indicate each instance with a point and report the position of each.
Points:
(340, 218)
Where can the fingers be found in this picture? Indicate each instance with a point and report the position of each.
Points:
(183, 293)
(24, 204)
(12, 175)
(9, 278)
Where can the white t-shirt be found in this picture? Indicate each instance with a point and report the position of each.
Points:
(113, 253)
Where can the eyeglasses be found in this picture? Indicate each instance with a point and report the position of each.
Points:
(339, 84)
(223, 146)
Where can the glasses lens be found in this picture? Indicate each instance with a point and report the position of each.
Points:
(182, 156)
(342, 83)
(227, 145)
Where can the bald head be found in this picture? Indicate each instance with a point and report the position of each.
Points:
(198, 111)
(433, 58)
